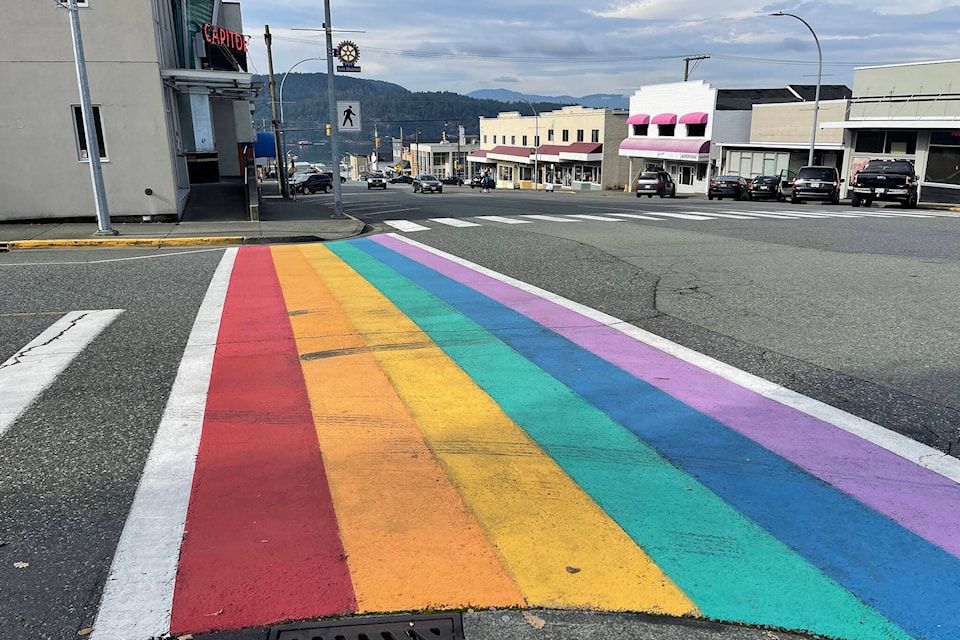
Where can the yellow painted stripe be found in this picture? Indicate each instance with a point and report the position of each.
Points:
(411, 542)
(121, 243)
(561, 548)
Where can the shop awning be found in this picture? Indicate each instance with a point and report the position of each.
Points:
(639, 118)
(665, 118)
(583, 151)
(667, 148)
(478, 156)
(228, 84)
(523, 155)
(696, 117)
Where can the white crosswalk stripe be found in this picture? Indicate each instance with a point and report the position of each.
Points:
(455, 222)
(405, 225)
(665, 216)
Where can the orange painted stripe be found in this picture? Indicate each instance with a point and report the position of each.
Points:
(411, 542)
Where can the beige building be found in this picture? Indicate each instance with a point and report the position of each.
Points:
(907, 111)
(570, 148)
(441, 158)
(170, 97)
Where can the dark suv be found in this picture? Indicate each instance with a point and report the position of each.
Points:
(816, 183)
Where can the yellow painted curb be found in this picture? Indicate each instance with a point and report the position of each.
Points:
(125, 242)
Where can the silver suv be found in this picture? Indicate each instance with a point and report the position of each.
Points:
(376, 179)
(816, 183)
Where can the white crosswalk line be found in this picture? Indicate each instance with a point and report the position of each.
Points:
(587, 216)
(549, 218)
(726, 215)
(405, 225)
(25, 375)
(454, 222)
(504, 220)
(893, 215)
(637, 216)
(683, 216)
(808, 214)
(775, 216)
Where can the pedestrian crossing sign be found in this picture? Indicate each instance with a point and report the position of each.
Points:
(348, 116)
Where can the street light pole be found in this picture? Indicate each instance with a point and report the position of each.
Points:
(283, 125)
(536, 147)
(104, 227)
(816, 100)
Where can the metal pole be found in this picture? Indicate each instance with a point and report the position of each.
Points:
(104, 227)
(816, 99)
(283, 125)
(536, 145)
(278, 145)
(334, 116)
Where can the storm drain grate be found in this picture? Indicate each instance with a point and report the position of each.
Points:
(426, 627)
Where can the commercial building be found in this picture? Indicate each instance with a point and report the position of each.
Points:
(682, 128)
(907, 111)
(441, 158)
(171, 103)
(570, 148)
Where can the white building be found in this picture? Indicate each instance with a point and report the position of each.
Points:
(170, 96)
(681, 127)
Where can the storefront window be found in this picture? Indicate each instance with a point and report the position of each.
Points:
(869, 142)
(506, 172)
(943, 159)
(686, 174)
(901, 143)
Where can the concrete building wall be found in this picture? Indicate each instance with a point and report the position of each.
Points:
(927, 90)
(37, 130)
(616, 168)
(792, 122)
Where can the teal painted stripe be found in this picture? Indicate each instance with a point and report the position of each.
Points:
(731, 568)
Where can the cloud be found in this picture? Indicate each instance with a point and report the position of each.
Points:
(504, 79)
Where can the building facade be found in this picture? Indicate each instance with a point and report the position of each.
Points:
(442, 158)
(909, 111)
(171, 102)
(570, 148)
(682, 128)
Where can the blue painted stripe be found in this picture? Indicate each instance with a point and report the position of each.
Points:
(909, 580)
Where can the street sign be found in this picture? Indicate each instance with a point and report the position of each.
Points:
(348, 116)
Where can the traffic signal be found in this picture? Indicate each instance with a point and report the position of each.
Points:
(377, 141)
(328, 129)
(443, 136)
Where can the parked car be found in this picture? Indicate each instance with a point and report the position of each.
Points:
(426, 182)
(816, 183)
(401, 180)
(656, 183)
(763, 187)
(454, 180)
(296, 181)
(376, 179)
(317, 182)
(727, 187)
(476, 182)
(342, 177)
(890, 180)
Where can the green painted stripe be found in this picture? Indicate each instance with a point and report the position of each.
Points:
(731, 568)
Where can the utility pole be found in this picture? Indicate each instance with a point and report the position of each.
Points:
(281, 163)
(686, 65)
(104, 227)
(334, 116)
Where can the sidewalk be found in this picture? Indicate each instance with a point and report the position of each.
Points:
(281, 221)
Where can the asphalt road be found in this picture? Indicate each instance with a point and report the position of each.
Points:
(858, 312)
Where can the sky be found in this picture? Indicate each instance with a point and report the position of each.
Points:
(562, 47)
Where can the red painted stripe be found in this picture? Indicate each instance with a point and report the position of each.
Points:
(261, 543)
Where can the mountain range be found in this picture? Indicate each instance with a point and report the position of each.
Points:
(595, 100)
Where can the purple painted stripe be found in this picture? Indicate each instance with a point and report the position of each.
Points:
(920, 500)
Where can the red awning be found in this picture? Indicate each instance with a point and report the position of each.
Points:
(665, 118)
(697, 117)
(639, 118)
(584, 147)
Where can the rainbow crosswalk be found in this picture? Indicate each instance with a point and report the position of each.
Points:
(389, 428)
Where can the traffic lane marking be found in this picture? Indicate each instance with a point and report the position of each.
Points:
(28, 372)
(138, 593)
(261, 542)
(696, 540)
(408, 536)
(539, 519)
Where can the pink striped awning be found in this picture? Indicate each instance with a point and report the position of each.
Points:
(697, 117)
(639, 118)
(665, 118)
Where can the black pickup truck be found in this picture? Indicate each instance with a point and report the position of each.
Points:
(890, 180)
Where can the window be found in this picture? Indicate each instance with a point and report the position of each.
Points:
(901, 143)
(579, 135)
(513, 139)
(595, 135)
(536, 141)
(506, 172)
(494, 138)
(869, 142)
(523, 141)
(641, 129)
(566, 135)
(83, 3)
(667, 129)
(484, 138)
(943, 160)
(696, 130)
(549, 135)
(82, 154)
